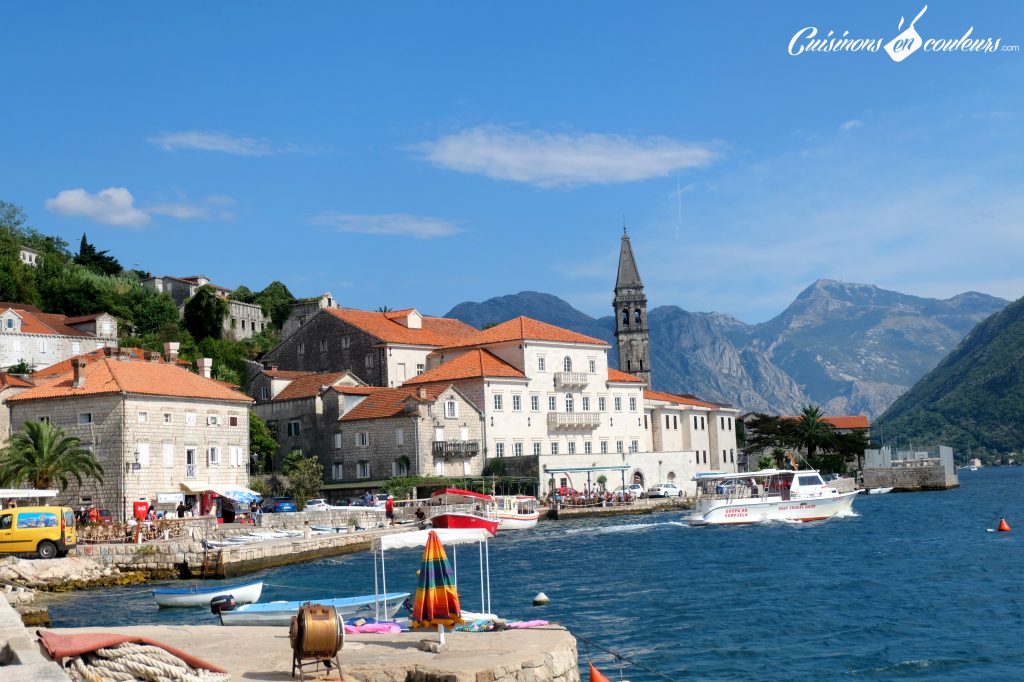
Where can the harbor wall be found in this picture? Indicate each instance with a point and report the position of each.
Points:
(363, 517)
(908, 479)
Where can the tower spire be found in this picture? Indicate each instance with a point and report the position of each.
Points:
(630, 305)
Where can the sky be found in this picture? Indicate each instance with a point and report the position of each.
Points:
(425, 154)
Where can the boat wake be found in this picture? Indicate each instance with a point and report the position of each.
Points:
(846, 514)
(624, 528)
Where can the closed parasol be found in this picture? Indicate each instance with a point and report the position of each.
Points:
(437, 601)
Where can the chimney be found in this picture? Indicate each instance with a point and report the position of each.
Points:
(421, 392)
(152, 356)
(205, 367)
(78, 366)
(171, 351)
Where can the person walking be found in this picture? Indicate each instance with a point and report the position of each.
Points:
(389, 510)
(181, 509)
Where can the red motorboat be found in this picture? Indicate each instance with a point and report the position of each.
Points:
(457, 508)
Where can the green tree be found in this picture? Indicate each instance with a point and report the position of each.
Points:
(812, 431)
(766, 462)
(152, 312)
(42, 455)
(98, 261)
(21, 367)
(261, 442)
(305, 477)
(204, 314)
(276, 301)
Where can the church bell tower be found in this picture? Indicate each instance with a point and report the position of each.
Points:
(630, 304)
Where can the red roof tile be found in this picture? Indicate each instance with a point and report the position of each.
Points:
(114, 375)
(475, 363)
(64, 366)
(12, 381)
(436, 331)
(387, 402)
(616, 375)
(524, 329)
(285, 373)
(308, 386)
(35, 322)
(680, 399)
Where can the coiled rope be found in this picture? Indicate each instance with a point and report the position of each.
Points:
(128, 662)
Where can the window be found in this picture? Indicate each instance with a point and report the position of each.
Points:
(703, 425)
(439, 467)
(212, 419)
(10, 323)
(567, 364)
(604, 447)
(729, 422)
(540, 360)
(399, 436)
(85, 417)
(362, 469)
(499, 449)
(363, 439)
(705, 456)
(346, 342)
(419, 368)
(675, 422)
(535, 403)
(536, 447)
(233, 322)
(625, 316)
(265, 393)
(236, 456)
(44, 420)
(190, 418)
(243, 323)
(168, 454)
(588, 447)
(636, 316)
(337, 441)
(695, 426)
(586, 403)
(697, 457)
(301, 350)
(399, 468)
(517, 402)
(451, 409)
(632, 403)
(232, 421)
(569, 403)
(336, 472)
(593, 366)
(668, 421)
(463, 433)
(618, 446)
(572, 447)
(368, 362)
(517, 449)
(721, 422)
(497, 402)
(168, 418)
(552, 403)
(213, 456)
(554, 448)
(294, 428)
(323, 345)
(634, 446)
(732, 455)
(618, 403)
(143, 451)
(76, 348)
(601, 404)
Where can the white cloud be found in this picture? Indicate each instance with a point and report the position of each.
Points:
(560, 159)
(213, 207)
(390, 224)
(847, 126)
(112, 206)
(180, 211)
(214, 142)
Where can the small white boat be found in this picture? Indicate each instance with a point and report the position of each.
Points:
(381, 607)
(766, 495)
(516, 512)
(879, 491)
(202, 596)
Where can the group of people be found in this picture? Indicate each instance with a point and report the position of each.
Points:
(88, 515)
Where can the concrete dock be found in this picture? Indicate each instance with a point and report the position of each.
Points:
(264, 653)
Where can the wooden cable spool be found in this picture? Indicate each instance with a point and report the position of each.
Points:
(317, 635)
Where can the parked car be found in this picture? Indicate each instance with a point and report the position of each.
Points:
(106, 517)
(49, 532)
(665, 490)
(276, 505)
(317, 504)
(634, 489)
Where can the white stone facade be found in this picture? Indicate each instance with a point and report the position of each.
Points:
(40, 348)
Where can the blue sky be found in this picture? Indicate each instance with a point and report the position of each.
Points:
(425, 154)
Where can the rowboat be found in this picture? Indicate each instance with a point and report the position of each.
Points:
(879, 491)
(516, 512)
(381, 607)
(766, 495)
(457, 508)
(202, 596)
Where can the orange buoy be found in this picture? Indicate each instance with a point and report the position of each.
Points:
(596, 675)
(1003, 526)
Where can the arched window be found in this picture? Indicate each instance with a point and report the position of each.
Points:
(569, 404)
(567, 364)
(636, 316)
(625, 316)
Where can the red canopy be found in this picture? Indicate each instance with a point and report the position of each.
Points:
(463, 493)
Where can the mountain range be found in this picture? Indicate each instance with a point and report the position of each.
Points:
(850, 348)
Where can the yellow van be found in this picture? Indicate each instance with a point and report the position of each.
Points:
(47, 531)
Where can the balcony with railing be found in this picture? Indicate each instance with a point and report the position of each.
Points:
(574, 420)
(571, 378)
(451, 449)
(190, 471)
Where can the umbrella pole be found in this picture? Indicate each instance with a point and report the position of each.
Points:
(376, 592)
(483, 604)
(384, 582)
(455, 566)
(440, 633)
(487, 553)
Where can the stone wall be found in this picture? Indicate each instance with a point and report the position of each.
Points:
(328, 344)
(365, 517)
(911, 478)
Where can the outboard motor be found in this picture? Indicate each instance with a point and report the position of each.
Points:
(222, 603)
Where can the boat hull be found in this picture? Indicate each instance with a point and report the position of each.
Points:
(457, 520)
(517, 521)
(758, 510)
(281, 612)
(242, 594)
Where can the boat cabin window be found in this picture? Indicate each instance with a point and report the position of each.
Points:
(813, 479)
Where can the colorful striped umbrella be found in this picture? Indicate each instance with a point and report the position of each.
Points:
(437, 602)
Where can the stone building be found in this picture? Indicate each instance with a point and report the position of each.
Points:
(381, 348)
(43, 339)
(241, 321)
(629, 307)
(10, 386)
(303, 310)
(29, 256)
(154, 427)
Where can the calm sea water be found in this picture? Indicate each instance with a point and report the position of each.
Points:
(912, 587)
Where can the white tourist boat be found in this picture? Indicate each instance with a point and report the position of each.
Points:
(766, 495)
(516, 512)
(202, 596)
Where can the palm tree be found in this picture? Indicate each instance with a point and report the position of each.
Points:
(812, 431)
(42, 455)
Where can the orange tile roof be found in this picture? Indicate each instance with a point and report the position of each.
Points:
(475, 363)
(285, 373)
(308, 386)
(436, 331)
(113, 375)
(680, 399)
(64, 366)
(616, 375)
(10, 380)
(858, 421)
(387, 402)
(357, 390)
(524, 329)
(51, 324)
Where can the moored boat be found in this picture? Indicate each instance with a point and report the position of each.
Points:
(766, 495)
(202, 596)
(879, 491)
(516, 512)
(457, 508)
(381, 607)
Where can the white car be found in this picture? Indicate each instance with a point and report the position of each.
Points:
(634, 489)
(318, 504)
(665, 490)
